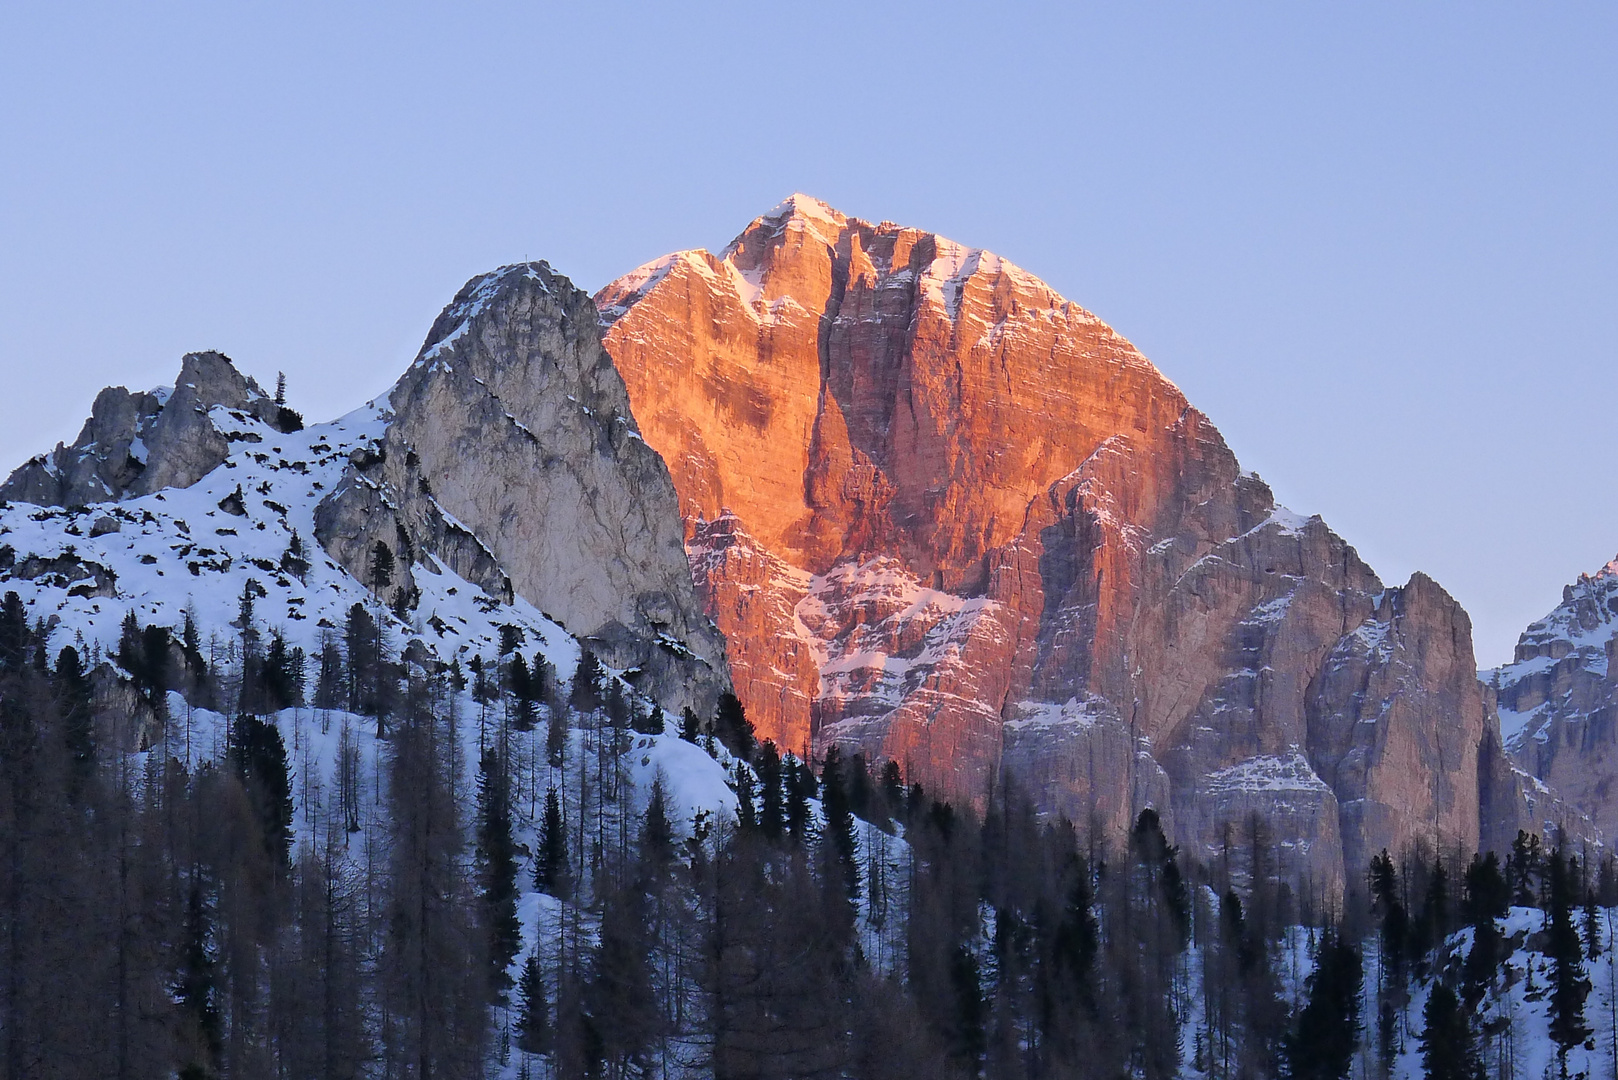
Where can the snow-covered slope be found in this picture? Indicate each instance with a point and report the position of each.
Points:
(83, 569)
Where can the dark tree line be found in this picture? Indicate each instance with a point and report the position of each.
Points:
(234, 916)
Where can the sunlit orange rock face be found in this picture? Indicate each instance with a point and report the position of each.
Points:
(945, 516)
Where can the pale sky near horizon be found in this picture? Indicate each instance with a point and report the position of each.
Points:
(1376, 244)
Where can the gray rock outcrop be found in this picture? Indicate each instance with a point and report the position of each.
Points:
(141, 442)
(511, 456)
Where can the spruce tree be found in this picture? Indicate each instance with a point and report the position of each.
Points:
(14, 633)
(497, 864)
(584, 693)
(800, 788)
(1448, 1051)
(520, 684)
(1322, 1044)
(260, 759)
(971, 1012)
(839, 829)
(533, 1031)
(734, 730)
(1487, 898)
(1569, 987)
(380, 574)
(552, 872)
(295, 560)
(770, 812)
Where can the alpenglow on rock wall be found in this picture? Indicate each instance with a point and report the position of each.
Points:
(511, 455)
(945, 516)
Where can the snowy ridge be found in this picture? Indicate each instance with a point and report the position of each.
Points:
(1562, 665)
(81, 570)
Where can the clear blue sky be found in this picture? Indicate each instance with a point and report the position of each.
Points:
(1378, 245)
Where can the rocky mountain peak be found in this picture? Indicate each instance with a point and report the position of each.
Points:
(946, 516)
(512, 457)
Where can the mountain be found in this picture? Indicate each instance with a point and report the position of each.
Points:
(947, 517)
(1558, 702)
(185, 498)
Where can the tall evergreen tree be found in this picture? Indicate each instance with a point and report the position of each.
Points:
(1448, 1049)
(497, 865)
(732, 727)
(260, 758)
(1569, 987)
(839, 829)
(533, 1018)
(1322, 1044)
(552, 871)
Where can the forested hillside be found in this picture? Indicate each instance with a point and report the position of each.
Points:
(369, 863)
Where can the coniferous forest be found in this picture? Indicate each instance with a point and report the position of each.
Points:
(229, 859)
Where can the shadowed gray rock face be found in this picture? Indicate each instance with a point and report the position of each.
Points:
(138, 443)
(512, 457)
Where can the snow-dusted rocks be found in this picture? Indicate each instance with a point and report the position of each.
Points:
(138, 443)
(947, 517)
(510, 454)
(1558, 702)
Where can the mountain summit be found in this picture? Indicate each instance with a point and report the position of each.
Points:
(946, 516)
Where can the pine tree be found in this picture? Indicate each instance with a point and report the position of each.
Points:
(295, 560)
(497, 863)
(1322, 1044)
(1569, 987)
(733, 729)
(380, 575)
(839, 830)
(768, 764)
(584, 694)
(533, 1028)
(1448, 1050)
(552, 871)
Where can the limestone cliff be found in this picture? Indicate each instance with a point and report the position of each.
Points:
(945, 516)
(510, 455)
